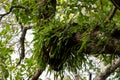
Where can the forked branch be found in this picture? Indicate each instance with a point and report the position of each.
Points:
(10, 10)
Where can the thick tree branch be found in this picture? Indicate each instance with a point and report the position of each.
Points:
(10, 10)
(110, 68)
(107, 47)
(38, 72)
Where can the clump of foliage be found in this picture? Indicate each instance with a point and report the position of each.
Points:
(58, 45)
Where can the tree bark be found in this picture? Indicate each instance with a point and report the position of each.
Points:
(38, 72)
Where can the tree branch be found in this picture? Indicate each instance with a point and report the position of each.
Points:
(90, 75)
(47, 12)
(10, 10)
(22, 46)
(110, 68)
(38, 72)
(111, 46)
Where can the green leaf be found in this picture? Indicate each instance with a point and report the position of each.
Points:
(85, 39)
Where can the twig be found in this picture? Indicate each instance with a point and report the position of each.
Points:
(111, 15)
(10, 10)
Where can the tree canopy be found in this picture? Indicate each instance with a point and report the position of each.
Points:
(59, 35)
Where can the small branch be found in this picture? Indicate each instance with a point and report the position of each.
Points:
(111, 15)
(10, 10)
(110, 68)
(37, 73)
(22, 46)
